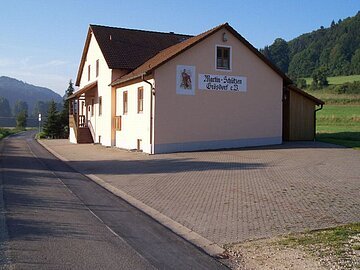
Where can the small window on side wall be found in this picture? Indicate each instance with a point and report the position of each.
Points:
(125, 102)
(97, 68)
(223, 58)
(89, 68)
(100, 106)
(140, 99)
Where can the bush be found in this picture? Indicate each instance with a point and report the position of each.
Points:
(301, 83)
(41, 135)
(348, 88)
(21, 120)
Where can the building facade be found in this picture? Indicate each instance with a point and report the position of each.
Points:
(210, 91)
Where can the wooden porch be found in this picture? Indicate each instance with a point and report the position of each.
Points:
(78, 120)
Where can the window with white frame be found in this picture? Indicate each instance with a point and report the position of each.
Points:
(223, 57)
(140, 99)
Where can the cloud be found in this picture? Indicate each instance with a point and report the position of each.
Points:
(52, 63)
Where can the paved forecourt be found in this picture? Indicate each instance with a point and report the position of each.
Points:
(233, 195)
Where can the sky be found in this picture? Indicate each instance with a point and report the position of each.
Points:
(41, 41)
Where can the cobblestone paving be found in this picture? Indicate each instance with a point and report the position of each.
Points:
(235, 195)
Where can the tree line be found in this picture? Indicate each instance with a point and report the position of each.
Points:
(57, 122)
(20, 105)
(55, 115)
(333, 51)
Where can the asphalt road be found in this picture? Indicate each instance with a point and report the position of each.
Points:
(52, 217)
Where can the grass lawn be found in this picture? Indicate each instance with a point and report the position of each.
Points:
(338, 79)
(339, 124)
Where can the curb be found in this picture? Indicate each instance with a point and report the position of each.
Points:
(206, 245)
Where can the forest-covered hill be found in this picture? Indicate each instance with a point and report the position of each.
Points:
(336, 49)
(13, 91)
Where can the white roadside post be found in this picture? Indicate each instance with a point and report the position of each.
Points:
(39, 122)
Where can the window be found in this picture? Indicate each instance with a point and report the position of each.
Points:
(125, 102)
(117, 122)
(88, 72)
(100, 106)
(97, 68)
(92, 107)
(223, 58)
(140, 99)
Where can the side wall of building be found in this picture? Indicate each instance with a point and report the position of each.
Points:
(301, 117)
(101, 122)
(134, 125)
(212, 119)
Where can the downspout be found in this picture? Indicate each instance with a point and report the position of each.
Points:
(321, 106)
(152, 92)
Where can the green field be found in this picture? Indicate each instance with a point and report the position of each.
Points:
(339, 124)
(338, 79)
(335, 99)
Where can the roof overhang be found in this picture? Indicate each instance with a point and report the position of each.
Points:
(83, 56)
(83, 90)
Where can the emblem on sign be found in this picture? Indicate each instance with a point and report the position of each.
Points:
(185, 80)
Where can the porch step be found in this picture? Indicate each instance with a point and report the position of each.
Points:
(84, 135)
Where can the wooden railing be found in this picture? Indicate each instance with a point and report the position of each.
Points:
(82, 122)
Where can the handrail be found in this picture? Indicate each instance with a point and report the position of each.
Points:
(82, 122)
(90, 126)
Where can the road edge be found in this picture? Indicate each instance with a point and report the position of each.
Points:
(5, 261)
(199, 241)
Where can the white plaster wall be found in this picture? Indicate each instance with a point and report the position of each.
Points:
(134, 125)
(72, 136)
(102, 124)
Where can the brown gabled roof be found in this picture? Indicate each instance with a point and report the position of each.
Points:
(303, 93)
(127, 48)
(171, 52)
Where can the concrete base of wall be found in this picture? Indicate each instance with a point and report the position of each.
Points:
(212, 145)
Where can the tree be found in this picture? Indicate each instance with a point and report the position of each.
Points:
(355, 62)
(65, 111)
(301, 83)
(5, 109)
(52, 125)
(41, 107)
(319, 78)
(19, 107)
(21, 120)
(332, 23)
(279, 54)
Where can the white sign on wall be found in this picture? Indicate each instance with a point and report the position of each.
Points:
(222, 83)
(185, 80)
